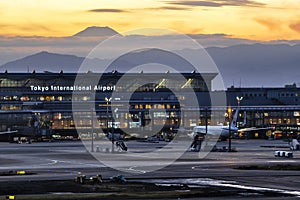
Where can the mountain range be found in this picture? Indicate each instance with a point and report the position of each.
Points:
(53, 62)
(247, 65)
(95, 31)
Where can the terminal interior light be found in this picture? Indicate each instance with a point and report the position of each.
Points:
(229, 110)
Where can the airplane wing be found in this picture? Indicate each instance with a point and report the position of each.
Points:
(254, 129)
(7, 132)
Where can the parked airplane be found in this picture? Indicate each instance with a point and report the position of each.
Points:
(222, 131)
(7, 132)
(20, 124)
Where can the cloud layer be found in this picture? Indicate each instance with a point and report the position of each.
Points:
(108, 10)
(111, 10)
(217, 3)
(295, 27)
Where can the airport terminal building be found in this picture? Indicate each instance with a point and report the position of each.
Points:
(163, 101)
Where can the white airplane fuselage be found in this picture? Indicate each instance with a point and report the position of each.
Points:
(220, 131)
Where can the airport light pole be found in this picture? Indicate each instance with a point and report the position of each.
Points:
(112, 136)
(92, 113)
(107, 102)
(113, 132)
(206, 120)
(239, 99)
(229, 110)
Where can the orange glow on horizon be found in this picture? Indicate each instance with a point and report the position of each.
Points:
(262, 20)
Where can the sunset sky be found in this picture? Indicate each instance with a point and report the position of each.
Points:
(259, 19)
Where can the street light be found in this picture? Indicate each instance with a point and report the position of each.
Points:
(229, 110)
(239, 99)
(112, 139)
(92, 113)
(113, 132)
(107, 102)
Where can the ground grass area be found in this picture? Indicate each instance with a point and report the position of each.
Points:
(67, 189)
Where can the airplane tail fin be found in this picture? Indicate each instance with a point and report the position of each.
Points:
(245, 119)
(234, 119)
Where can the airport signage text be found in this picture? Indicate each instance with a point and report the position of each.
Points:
(102, 88)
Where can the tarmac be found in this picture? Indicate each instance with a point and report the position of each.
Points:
(63, 160)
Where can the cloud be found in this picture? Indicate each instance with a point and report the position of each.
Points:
(107, 10)
(139, 9)
(271, 24)
(197, 3)
(32, 27)
(217, 3)
(5, 25)
(168, 8)
(295, 27)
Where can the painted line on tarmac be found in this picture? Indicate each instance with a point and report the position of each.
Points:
(282, 161)
(131, 169)
(223, 183)
(55, 162)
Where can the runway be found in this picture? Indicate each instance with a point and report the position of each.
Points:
(63, 160)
